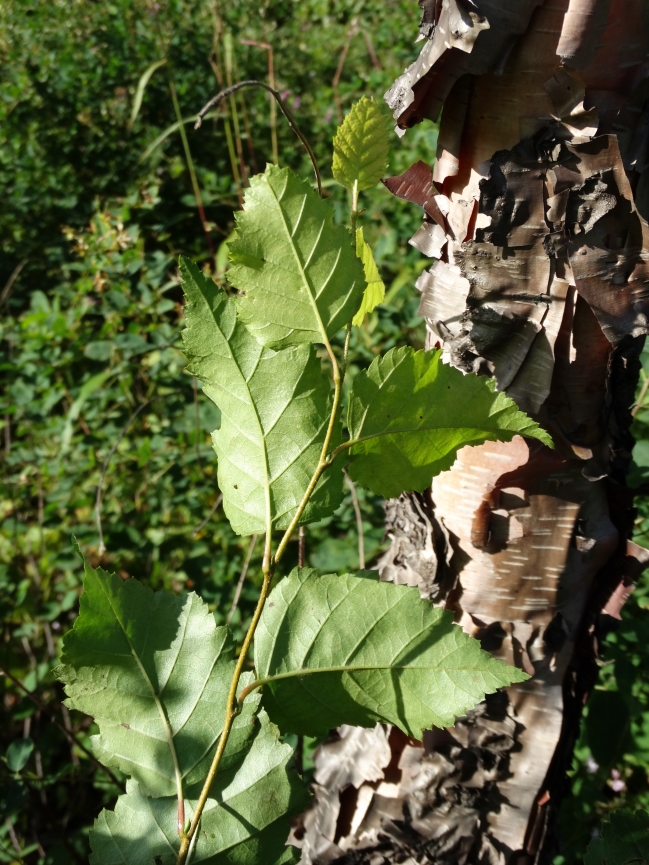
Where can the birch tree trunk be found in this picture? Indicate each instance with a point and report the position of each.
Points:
(535, 213)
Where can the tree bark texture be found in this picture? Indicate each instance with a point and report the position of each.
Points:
(535, 215)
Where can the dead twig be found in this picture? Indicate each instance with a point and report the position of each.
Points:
(13, 276)
(271, 81)
(353, 30)
(202, 525)
(301, 545)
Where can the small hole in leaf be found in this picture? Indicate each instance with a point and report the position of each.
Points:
(236, 487)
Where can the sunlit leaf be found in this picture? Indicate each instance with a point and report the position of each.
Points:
(410, 414)
(153, 670)
(353, 650)
(275, 408)
(246, 818)
(362, 146)
(375, 291)
(298, 272)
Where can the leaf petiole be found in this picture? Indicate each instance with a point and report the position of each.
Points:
(231, 708)
(268, 568)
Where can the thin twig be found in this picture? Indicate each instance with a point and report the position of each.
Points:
(231, 708)
(359, 522)
(353, 30)
(269, 563)
(13, 276)
(68, 726)
(198, 421)
(283, 108)
(229, 51)
(376, 63)
(271, 81)
(301, 544)
(190, 166)
(204, 522)
(14, 839)
(68, 733)
(242, 578)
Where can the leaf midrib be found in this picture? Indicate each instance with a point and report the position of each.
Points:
(161, 711)
(301, 268)
(252, 402)
(350, 667)
(421, 428)
(360, 668)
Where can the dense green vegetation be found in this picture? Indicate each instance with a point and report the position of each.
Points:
(94, 394)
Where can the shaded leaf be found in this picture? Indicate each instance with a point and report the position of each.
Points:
(353, 650)
(362, 146)
(18, 753)
(623, 841)
(606, 726)
(246, 818)
(154, 671)
(275, 408)
(375, 291)
(301, 279)
(410, 414)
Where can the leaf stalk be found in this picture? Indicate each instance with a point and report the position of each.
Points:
(232, 708)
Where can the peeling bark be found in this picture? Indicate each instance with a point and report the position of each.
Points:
(535, 215)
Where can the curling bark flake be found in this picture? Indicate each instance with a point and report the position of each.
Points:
(535, 213)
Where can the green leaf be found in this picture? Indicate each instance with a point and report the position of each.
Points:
(375, 291)
(275, 407)
(18, 753)
(353, 650)
(245, 821)
(154, 671)
(139, 92)
(623, 841)
(410, 414)
(362, 146)
(300, 277)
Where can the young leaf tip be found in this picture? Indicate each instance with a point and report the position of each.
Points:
(362, 146)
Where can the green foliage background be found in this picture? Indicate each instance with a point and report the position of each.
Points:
(92, 373)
